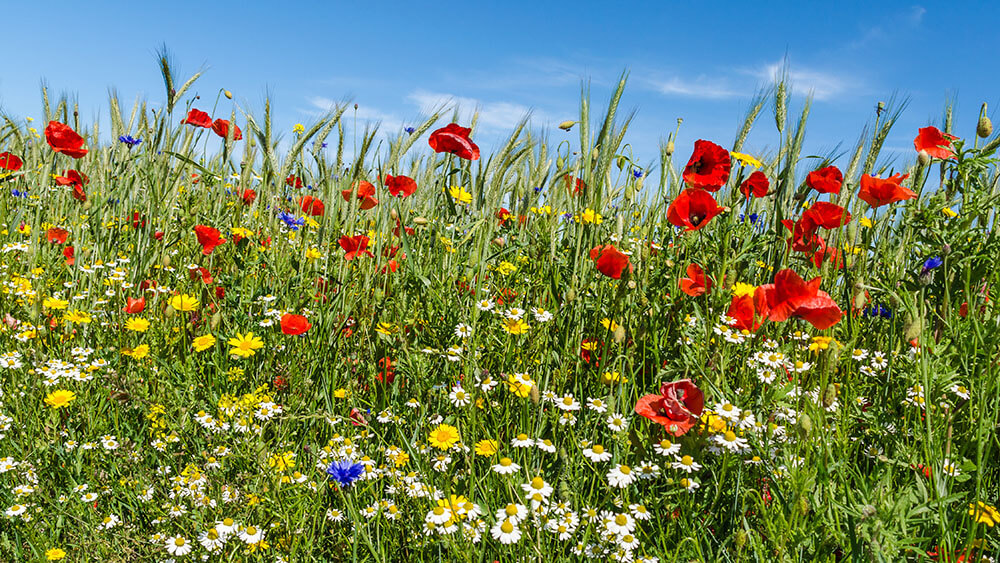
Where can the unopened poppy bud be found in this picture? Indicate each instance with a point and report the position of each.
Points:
(499, 242)
(570, 294)
(946, 250)
(560, 162)
(621, 162)
(169, 312)
(419, 220)
(567, 125)
(596, 153)
(805, 424)
(165, 260)
(985, 127)
(741, 538)
(829, 396)
(228, 94)
(393, 214)
(216, 320)
(923, 158)
(534, 394)
(355, 106)
(669, 150)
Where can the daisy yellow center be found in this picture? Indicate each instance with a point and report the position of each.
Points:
(625, 470)
(621, 519)
(212, 534)
(506, 527)
(510, 510)
(179, 542)
(506, 462)
(665, 444)
(438, 511)
(251, 531)
(598, 449)
(686, 460)
(568, 400)
(730, 436)
(537, 483)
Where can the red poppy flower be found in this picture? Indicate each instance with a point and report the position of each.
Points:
(79, 194)
(72, 178)
(10, 162)
(877, 192)
(693, 209)
(408, 230)
(575, 185)
(56, 235)
(200, 273)
(248, 196)
(133, 306)
(454, 139)
(158, 235)
(695, 283)
(935, 143)
(62, 138)
(828, 254)
(709, 166)
(827, 215)
(355, 246)
(390, 267)
(198, 118)
(312, 206)
(791, 296)
(678, 407)
(804, 237)
(742, 309)
(400, 186)
(220, 293)
(294, 325)
(221, 128)
(589, 349)
(365, 192)
(826, 180)
(756, 185)
(610, 261)
(294, 181)
(208, 238)
(70, 254)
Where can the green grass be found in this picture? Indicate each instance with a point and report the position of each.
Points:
(175, 440)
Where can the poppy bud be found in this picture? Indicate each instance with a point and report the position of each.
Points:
(158, 235)
(912, 328)
(805, 425)
(741, 538)
(669, 149)
(499, 242)
(985, 127)
(169, 312)
(567, 125)
(534, 394)
(419, 220)
(596, 153)
(946, 250)
(560, 163)
(165, 260)
(829, 396)
(923, 158)
(393, 214)
(621, 161)
(216, 320)
(228, 94)
(570, 294)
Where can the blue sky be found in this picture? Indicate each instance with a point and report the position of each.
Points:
(398, 60)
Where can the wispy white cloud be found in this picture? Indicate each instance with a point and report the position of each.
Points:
(496, 115)
(700, 87)
(823, 85)
(916, 15)
(364, 114)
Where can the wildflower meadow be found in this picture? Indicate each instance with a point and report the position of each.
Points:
(225, 342)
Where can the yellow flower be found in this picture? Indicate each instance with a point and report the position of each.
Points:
(613, 377)
(137, 324)
(54, 554)
(386, 328)
(820, 343)
(949, 212)
(184, 302)
(313, 254)
(77, 316)
(340, 393)
(713, 422)
(443, 437)
(590, 216)
(401, 459)
(24, 229)
(543, 210)
(746, 159)
(865, 222)
(515, 326)
(984, 513)
(506, 268)
(53, 303)
(282, 462)
(741, 289)
(298, 129)
(139, 352)
(59, 398)
(203, 342)
(487, 447)
(609, 324)
(241, 232)
(246, 345)
(460, 196)
(519, 386)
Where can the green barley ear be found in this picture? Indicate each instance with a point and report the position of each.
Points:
(781, 103)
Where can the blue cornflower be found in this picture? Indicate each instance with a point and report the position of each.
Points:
(931, 263)
(129, 140)
(345, 471)
(323, 146)
(409, 130)
(292, 221)
(636, 173)
(18, 193)
(878, 311)
(567, 216)
(538, 189)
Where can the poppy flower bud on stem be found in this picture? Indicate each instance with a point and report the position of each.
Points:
(560, 163)
(985, 127)
(567, 125)
(669, 149)
(499, 242)
(923, 158)
(228, 94)
(419, 220)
